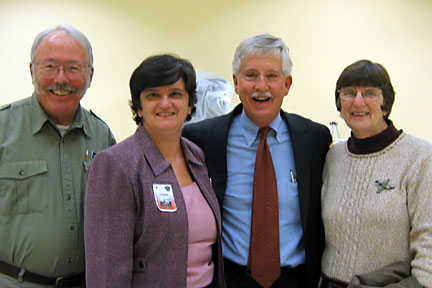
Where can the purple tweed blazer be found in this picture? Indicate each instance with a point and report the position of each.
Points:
(128, 241)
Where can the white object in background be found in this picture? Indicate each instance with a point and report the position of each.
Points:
(214, 96)
(333, 129)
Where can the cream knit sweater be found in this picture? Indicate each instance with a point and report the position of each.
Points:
(370, 222)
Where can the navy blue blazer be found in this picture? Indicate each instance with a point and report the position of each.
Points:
(310, 143)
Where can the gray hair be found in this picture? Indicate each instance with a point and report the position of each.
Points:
(264, 44)
(73, 32)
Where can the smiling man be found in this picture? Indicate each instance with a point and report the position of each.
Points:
(46, 144)
(290, 230)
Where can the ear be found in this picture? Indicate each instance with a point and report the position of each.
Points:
(31, 70)
(190, 109)
(288, 83)
(90, 76)
(235, 80)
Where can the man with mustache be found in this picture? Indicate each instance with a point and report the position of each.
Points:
(46, 144)
(262, 78)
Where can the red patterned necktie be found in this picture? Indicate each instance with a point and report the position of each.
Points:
(264, 258)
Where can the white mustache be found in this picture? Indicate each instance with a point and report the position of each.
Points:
(62, 87)
(257, 94)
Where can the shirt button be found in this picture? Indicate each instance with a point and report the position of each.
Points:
(71, 227)
(21, 172)
(68, 197)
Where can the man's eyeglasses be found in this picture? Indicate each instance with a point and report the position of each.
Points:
(51, 68)
(368, 93)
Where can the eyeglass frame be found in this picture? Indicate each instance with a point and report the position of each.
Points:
(351, 98)
(62, 64)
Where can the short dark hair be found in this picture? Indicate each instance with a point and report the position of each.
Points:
(161, 70)
(367, 73)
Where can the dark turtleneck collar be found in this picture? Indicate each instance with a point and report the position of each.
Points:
(374, 143)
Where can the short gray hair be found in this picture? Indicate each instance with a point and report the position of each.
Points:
(73, 32)
(264, 44)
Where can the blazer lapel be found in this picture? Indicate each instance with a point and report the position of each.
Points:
(216, 152)
(301, 143)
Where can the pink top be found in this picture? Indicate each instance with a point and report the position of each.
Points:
(202, 235)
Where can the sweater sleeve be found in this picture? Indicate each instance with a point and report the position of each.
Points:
(419, 192)
(109, 224)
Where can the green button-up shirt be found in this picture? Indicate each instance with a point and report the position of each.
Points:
(42, 187)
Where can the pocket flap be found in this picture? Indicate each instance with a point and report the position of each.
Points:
(22, 169)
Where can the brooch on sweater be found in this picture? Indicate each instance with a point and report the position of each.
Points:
(383, 185)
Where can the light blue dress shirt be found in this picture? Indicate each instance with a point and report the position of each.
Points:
(243, 140)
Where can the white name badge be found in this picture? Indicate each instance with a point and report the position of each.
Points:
(164, 197)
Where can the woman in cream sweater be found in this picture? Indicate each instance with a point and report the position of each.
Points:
(377, 189)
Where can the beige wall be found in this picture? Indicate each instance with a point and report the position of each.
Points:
(323, 36)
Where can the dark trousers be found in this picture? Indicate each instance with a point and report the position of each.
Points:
(237, 276)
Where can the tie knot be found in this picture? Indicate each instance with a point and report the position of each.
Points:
(263, 132)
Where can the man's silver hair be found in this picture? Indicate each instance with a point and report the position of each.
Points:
(262, 44)
(75, 33)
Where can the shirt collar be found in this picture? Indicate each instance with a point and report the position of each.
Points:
(39, 118)
(250, 129)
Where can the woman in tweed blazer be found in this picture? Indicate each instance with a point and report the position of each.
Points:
(151, 215)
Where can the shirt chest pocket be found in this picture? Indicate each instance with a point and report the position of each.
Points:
(21, 186)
